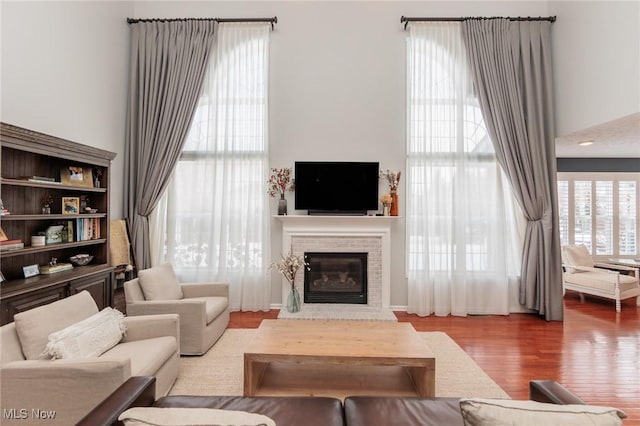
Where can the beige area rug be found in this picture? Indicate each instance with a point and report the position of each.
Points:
(220, 371)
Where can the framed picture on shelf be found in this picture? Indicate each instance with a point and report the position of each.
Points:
(77, 176)
(70, 205)
(31, 270)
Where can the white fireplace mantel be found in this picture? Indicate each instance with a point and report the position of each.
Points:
(343, 226)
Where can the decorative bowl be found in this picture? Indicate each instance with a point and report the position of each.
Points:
(81, 259)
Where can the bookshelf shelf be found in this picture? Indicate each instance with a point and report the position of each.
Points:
(51, 216)
(50, 247)
(58, 186)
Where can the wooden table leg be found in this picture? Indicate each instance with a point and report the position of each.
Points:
(253, 372)
(424, 379)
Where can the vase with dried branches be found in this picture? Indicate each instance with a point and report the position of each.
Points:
(288, 266)
(280, 181)
(393, 180)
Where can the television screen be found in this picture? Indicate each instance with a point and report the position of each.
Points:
(336, 187)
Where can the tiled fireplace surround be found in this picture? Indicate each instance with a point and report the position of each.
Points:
(362, 234)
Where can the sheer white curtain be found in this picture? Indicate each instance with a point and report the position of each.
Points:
(462, 225)
(213, 223)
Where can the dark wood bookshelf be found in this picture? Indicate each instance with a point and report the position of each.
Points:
(25, 154)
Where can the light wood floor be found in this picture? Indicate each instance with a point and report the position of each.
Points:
(594, 352)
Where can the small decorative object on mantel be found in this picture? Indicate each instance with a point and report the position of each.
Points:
(393, 179)
(386, 204)
(280, 182)
(288, 266)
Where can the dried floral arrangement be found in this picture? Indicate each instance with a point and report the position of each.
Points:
(47, 200)
(288, 266)
(393, 178)
(280, 181)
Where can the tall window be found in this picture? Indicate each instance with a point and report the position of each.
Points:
(462, 250)
(600, 210)
(213, 222)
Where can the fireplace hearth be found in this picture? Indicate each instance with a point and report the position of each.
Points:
(335, 278)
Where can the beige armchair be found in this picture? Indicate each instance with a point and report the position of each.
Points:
(607, 280)
(70, 388)
(203, 307)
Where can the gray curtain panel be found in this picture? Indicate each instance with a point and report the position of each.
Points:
(168, 63)
(511, 67)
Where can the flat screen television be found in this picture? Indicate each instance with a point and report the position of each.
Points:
(326, 187)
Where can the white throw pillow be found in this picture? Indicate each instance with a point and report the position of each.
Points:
(157, 416)
(90, 337)
(577, 255)
(35, 325)
(499, 412)
(160, 283)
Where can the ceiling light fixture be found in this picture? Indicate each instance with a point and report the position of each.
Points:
(585, 143)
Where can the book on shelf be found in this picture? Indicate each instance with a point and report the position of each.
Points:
(14, 246)
(45, 181)
(9, 242)
(79, 226)
(58, 267)
(41, 179)
(87, 229)
(69, 229)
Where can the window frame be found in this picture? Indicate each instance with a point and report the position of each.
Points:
(594, 177)
(194, 152)
(466, 112)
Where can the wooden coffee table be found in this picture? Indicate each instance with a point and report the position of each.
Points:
(338, 358)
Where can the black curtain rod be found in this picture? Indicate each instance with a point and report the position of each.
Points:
(273, 20)
(406, 19)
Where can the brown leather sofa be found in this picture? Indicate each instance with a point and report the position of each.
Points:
(380, 410)
(314, 411)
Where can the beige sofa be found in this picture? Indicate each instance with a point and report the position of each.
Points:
(203, 307)
(69, 388)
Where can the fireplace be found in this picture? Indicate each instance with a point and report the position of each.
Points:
(335, 278)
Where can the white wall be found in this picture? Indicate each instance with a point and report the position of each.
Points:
(596, 59)
(337, 75)
(337, 84)
(64, 69)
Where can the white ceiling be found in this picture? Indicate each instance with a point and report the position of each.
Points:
(616, 138)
